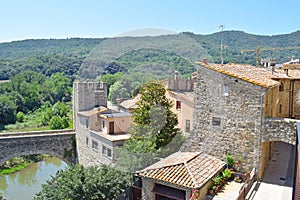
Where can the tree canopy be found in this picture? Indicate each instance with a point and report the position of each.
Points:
(79, 183)
(154, 116)
(29, 92)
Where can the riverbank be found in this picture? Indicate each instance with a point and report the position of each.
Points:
(18, 163)
(7, 171)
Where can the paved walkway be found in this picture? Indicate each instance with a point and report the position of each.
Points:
(229, 192)
(277, 182)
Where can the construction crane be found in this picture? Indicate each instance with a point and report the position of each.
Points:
(258, 50)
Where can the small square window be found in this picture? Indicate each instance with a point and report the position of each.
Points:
(103, 124)
(216, 121)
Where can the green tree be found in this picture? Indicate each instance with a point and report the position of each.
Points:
(136, 154)
(59, 86)
(56, 122)
(59, 109)
(79, 183)
(110, 79)
(154, 115)
(8, 110)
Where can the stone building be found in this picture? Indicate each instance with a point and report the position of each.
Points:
(243, 110)
(176, 176)
(99, 130)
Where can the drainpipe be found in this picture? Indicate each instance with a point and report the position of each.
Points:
(292, 99)
(261, 127)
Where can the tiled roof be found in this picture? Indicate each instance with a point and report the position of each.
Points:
(185, 169)
(130, 103)
(187, 96)
(258, 76)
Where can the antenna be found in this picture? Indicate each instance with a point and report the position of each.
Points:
(222, 46)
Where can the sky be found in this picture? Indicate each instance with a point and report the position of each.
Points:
(43, 19)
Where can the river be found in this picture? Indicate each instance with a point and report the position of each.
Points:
(23, 184)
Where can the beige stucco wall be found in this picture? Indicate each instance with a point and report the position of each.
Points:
(121, 124)
(183, 114)
(267, 150)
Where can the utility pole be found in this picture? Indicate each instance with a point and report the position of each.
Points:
(222, 38)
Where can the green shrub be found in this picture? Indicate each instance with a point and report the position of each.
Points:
(229, 160)
(20, 116)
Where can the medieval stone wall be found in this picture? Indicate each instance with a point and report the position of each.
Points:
(88, 95)
(227, 118)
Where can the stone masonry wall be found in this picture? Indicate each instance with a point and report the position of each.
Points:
(88, 95)
(283, 130)
(227, 117)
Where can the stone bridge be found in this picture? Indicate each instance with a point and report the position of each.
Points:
(57, 143)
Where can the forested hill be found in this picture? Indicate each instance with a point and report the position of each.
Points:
(49, 56)
(235, 41)
(25, 48)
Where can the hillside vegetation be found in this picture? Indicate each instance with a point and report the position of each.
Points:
(46, 56)
(235, 41)
(89, 58)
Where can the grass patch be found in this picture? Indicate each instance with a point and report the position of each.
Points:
(14, 169)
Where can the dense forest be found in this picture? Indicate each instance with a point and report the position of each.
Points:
(89, 58)
(47, 56)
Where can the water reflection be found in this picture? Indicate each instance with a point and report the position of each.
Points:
(3, 185)
(28, 181)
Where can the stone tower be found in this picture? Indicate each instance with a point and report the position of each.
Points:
(88, 95)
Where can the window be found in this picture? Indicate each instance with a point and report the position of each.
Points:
(225, 90)
(178, 105)
(108, 152)
(280, 108)
(103, 124)
(87, 141)
(187, 125)
(281, 88)
(216, 121)
(94, 145)
(87, 123)
(104, 150)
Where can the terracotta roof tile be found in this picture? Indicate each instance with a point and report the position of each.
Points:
(191, 170)
(257, 76)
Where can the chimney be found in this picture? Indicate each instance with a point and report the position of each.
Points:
(176, 80)
(205, 61)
